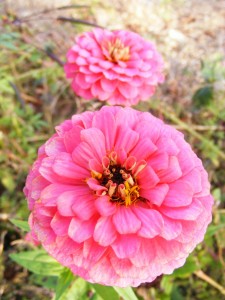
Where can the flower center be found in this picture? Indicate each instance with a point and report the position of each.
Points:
(119, 182)
(116, 51)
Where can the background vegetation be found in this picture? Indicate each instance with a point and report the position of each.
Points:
(35, 96)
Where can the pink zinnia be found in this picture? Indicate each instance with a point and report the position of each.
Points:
(115, 66)
(118, 197)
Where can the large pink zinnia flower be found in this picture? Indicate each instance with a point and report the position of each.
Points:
(117, 66)
(118, 196)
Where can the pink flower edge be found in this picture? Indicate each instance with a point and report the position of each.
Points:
(125, 229)
(115, 66)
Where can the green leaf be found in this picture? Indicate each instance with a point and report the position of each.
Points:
(203, 97)
(125, 293)
(21, 224)
(176, 295)
(38, 262)
(77, 291)
(166, 284)
(64, 281)
(49, 282)
(106, 292)
(212, 229)
(8, 44)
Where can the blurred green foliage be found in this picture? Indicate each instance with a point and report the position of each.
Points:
(33, 92)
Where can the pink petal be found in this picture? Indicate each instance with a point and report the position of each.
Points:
(190, 212)
(66, 245)
(143, 149)
(166, 144)
(91, 78)
(124, 266)
(167, 250)
(78, 202)
(81, 82)
(94, 165)
(82, 154)
(127, 90)
(84, 93)
(44, 234)
(95, 185)
(84, 208)
(148, 178)
(71, 56)
(81, 61)
(50, 194)
(194, 178)
(105, 121)
(64, 166)
(96, 140)
(180, 194)
(146, 254)
(125, 220)
(104, 206)
(126, 246)
(110, 74)
(156, 195)
(105, 233)
(80, 231)
(108, 85)
(99, 35)
(95, 69)
(149, 127)
(146, 90)
(72, 138)
(103, 271)
(186, 161)
(159, 161)
(127, 117)
(172, 173)
(54, 146)
(205, 184)
(126, 139)
(60, 224)
(171, 229)
(65, 203)
(105, 64)
(96, 89)
(121, 156)
(71, 69)
(46, 170)
(93, 251)
(38, 184)
(152, 222)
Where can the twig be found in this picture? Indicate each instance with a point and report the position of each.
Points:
(71, 6)
(38, 138)
(73, 20)
(53, 56)
(2, 237)
(18, 95)
(48, 52)
(204, 127)
(46, 11)
(210, 281)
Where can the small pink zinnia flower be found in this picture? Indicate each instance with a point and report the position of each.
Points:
(118, 197)
(117, 66)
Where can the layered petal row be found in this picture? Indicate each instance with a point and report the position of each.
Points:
(118, 196)
(115, 66)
